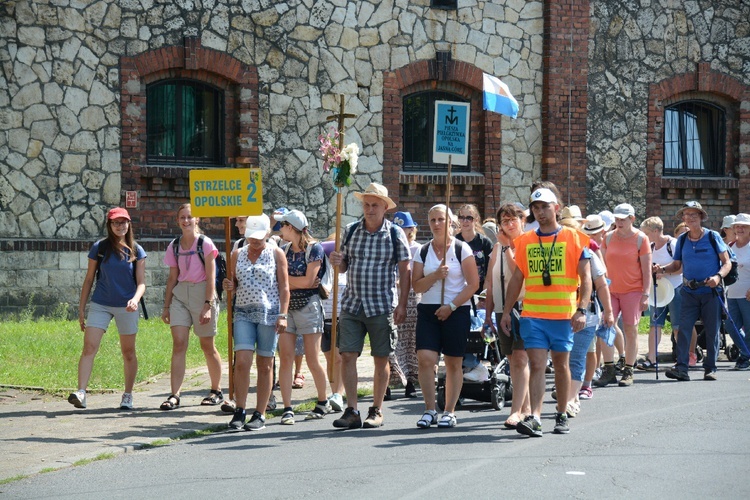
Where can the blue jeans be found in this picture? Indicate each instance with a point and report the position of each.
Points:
(577, 362)
(707, 307)
(739, 310)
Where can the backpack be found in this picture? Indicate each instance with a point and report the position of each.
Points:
(733, 274)
(325, 273)
(457, 246)
(669, 247)
(103, 250)
(221, 264)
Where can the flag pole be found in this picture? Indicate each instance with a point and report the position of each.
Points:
(447, 225)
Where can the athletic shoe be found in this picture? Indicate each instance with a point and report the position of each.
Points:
(238, 420)
(374, 418)
(78, 398)
(479, 373)
(126, 403)
(627, 377)
(350, 420)
(429, 418)
(742, 364)
(337, 402)
(287, 418)
(676, 374)
(572, 409)
(447, 420)
(709, 375)
(256, 423)
(549, 367)
(597, 373)
(319, 411)
(586, 393)
(561, 424)
(529, 427)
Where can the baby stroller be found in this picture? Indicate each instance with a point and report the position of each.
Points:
(499, 387)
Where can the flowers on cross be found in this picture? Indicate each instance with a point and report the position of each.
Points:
(342, 161)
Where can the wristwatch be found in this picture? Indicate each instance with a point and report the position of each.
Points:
(207, 302)
(452, 306)
(581, 310)
(283, 316)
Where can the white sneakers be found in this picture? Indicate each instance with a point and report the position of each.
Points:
(126, 403)
(479, 373)
(78, 398)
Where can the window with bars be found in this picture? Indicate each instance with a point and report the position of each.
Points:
(694, 139)
(419, 119)
(184, 123)
(444, 4)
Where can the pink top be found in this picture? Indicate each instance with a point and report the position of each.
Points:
(623, 262)
(190, 266)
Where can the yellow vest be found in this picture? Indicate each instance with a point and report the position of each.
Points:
(557, 301)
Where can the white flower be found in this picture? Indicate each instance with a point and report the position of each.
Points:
(350, 153)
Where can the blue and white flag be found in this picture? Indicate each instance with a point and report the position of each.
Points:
(497, 97)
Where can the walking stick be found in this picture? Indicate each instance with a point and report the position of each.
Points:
(656, 329)
(447, 225)
(742, 344)
(230, 295)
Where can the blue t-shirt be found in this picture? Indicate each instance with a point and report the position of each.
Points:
(699, 260)
(296, 260)
(115, 286)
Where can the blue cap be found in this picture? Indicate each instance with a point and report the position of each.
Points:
(403, 219)
(279, 211)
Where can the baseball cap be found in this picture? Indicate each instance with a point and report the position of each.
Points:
(118, 213)
(623, 211)
(257, 227)
(544, 195)
(293, 217)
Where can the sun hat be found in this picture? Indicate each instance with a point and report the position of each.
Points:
(572, 212)
(118, 213)
(404, 219)
(623, 211)
(257, 227)
(594, 223)
(695, 206)
(727, 221)
(742, 219)
(379, 191)
(278, 211)
(607, 217)
(544, 195)
(293, 217)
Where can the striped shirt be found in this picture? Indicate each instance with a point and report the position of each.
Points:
(372, 270)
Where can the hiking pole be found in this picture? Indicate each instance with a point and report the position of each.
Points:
(737, 330)
(656, 329)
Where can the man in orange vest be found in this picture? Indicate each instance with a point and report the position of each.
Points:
(553, 261)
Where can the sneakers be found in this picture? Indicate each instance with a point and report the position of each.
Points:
(742, 364)
(238, 420)
(676, 374)
(627, 377)
(479, 373)
(319, 411)
(374, 418)
(350, 420)
(530, 427)
(597, 373)
(337, 402)
(447, 420)
(646, 365)
(709, 375)
(561, 424)
(126, 403)
(256, 423)
(287, 418)
(608, 376)
(78, 398)
(692, 359)
(586, 393)
(429, 418)
(620, 365)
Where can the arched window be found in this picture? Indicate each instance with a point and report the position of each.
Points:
(184, 123)
(694, 139)
(419, 117)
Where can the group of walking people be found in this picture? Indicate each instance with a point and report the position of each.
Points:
(553, 279)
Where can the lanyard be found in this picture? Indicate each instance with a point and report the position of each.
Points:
(546, 277)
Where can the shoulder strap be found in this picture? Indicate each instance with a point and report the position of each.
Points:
(458, 248)
(352, 228)
(609, 237)
(639, 242)
(286, 248)
(199, 249)
(394, 242)
(101, 252)
(669, 248)
(423, 251)
(681, 240)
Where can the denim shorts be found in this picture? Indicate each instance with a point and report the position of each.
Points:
(100, 316)
(552, 334)
(581, 344)
(255, 337)
(309, 319)
(660, 315)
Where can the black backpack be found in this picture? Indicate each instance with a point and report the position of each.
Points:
(103, 252)
(221, 264)
(458, 248)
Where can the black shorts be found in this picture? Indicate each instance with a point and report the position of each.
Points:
(448, 337)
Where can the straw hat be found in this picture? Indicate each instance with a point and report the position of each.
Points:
(695, 206)
(378, 191)
(572, 212)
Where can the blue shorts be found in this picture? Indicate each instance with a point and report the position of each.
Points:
(254, 337)
(674, 307)
(548, 334)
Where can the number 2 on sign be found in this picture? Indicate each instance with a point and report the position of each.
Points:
(251, 196)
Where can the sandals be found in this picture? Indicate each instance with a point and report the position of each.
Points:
(171, 403)
(511, 423)
(447, 420)
(299, 381)
(213, 399)
(429, 418)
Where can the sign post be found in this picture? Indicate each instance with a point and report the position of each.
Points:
(227, 192)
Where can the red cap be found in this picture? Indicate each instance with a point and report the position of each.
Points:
(118, 213)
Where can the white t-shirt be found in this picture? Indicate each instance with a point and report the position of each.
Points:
(597, 270)
(742, 285)
(661, 257)
(455, 282)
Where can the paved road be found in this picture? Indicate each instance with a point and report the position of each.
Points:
(661, 439)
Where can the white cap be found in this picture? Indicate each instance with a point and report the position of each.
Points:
(544, 195)
(293, 217)
(607, 217)
(623, 211)
(257, 227)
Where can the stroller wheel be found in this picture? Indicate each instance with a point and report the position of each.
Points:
(498, 396)
(732, 352)
(441, 398)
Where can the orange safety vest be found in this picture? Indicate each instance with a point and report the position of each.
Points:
(557, 301)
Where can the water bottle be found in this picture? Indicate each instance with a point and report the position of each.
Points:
(487, 335)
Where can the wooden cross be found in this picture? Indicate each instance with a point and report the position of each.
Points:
(341, 116)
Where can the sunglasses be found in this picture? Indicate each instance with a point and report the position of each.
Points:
(285, 223)
(468, 218)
